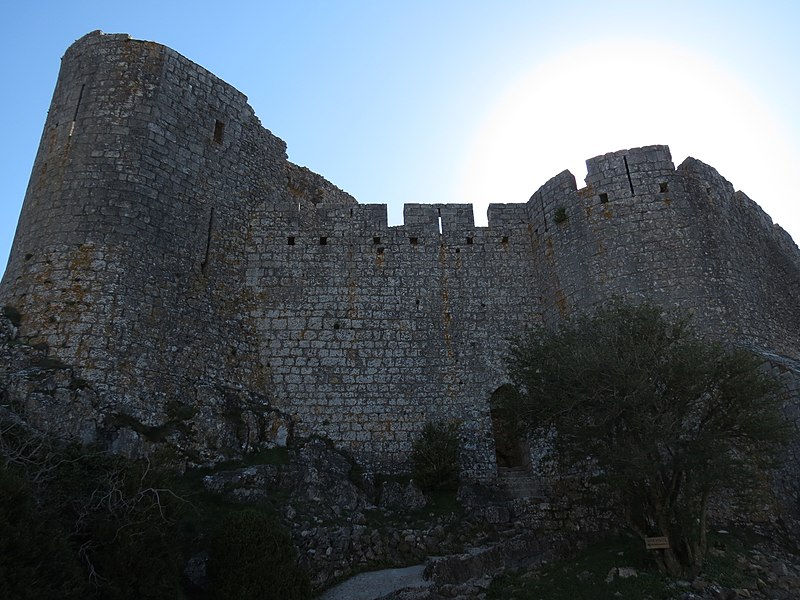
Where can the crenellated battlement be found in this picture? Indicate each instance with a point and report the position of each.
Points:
(170, 253)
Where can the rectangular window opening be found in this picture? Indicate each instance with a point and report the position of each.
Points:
(219, 132)
(664, 188)
(505, 239)
(414, 241)
(469, 241)
(323, 241)
(290, 240)
(440, 225)
(603, 198)
(376, 240)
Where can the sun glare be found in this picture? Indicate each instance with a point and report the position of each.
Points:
(602, 98)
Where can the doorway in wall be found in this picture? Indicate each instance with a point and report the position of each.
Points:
(511, 450)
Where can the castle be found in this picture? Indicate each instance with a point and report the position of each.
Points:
(213, 293)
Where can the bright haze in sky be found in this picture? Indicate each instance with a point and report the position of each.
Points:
(457, 101)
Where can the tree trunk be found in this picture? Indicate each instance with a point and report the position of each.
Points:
(668, 563)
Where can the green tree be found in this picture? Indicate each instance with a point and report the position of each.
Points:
(36, 559)
(664, 418)
(76, 523)
(252, 557)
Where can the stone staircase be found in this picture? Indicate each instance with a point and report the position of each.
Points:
(517, 482)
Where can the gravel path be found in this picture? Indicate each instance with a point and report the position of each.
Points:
(368, 586)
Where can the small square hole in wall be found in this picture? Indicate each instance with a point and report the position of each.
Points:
(380, 250)
(376, 240)
(458, 250)
(219, 132)
(469, 241)
(504, 240)
(290, 240)
(663, 187)
(414, 241)
(603, 198)
(323, 241)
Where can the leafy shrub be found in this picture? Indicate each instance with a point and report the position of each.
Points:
(36, 559)
(252, 556)
(81, 524)
(123, 521)
(435, 464)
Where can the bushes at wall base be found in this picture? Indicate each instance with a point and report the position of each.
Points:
(83, 525)
(36, 559)
(252, 557)
(435, 457)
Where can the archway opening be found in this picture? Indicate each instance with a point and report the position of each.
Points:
(511, 450)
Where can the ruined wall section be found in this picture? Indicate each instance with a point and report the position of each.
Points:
(370, 331)
(683, 239)
(755, 263)
(628, 233)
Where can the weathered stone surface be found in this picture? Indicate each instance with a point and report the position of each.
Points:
(250, 484)
(324, 478)
(474, 564)
(220, 299)
(394, 495)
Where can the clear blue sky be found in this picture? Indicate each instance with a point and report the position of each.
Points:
(425, 101)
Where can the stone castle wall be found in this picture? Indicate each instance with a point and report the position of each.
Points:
(169, 251)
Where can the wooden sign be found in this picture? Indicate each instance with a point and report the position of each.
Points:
(656, 543)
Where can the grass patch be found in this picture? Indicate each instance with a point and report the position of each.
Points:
(78, 383)
(150, 433)
(584, 578)
(442, 503)
(48, 363)
(179, 411)
(190, 483)
(268, 456)
(12, 314)
(723, 549)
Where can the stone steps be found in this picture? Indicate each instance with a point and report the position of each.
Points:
(517, 482)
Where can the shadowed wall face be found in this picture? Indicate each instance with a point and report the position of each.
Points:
(203, 284)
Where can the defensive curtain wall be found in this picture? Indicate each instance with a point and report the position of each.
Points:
(212, 292)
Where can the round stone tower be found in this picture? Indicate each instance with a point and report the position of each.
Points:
(128, 262)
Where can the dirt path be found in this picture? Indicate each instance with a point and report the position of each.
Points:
(375, 584)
